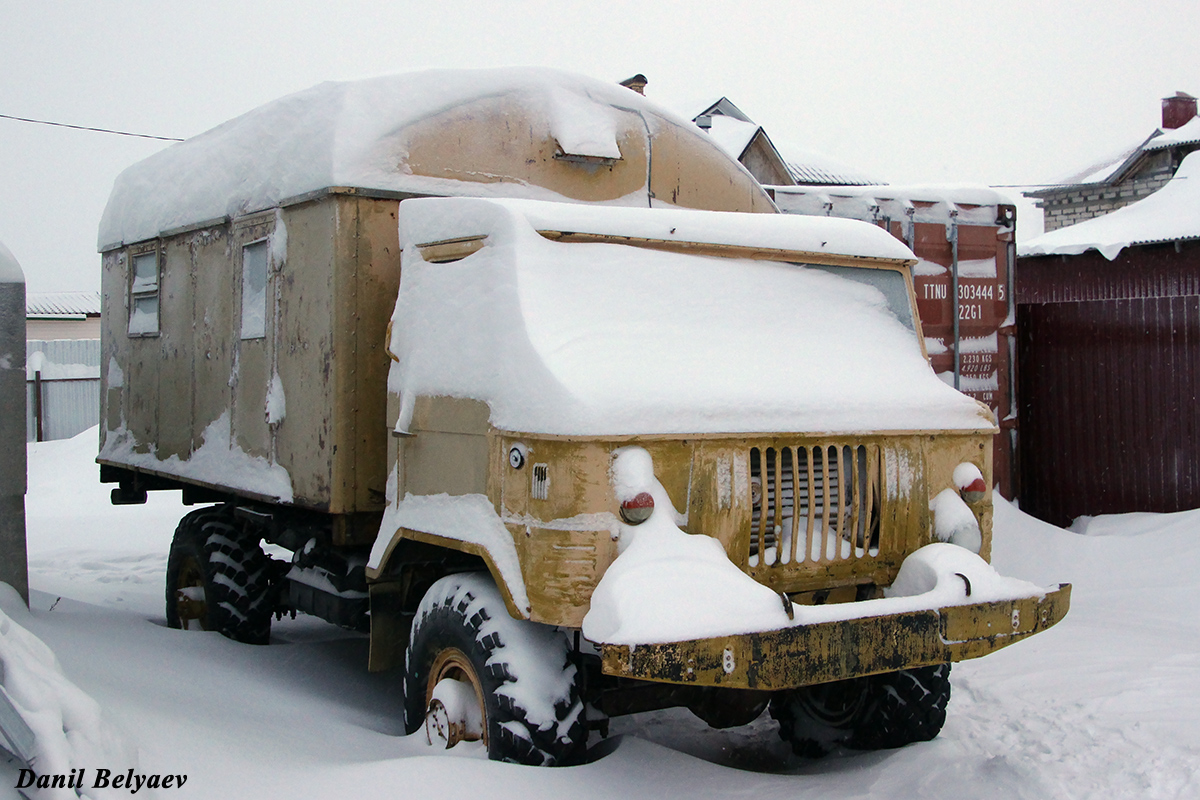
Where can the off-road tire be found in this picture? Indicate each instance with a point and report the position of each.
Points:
(466, 612)
(233, 571)
(878, 712)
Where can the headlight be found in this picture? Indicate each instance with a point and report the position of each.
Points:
(637, 509)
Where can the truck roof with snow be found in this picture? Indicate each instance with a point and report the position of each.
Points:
(561, 461)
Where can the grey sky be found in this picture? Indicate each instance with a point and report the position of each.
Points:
(1019, 92)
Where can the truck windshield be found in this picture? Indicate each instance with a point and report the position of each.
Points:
(888, 281)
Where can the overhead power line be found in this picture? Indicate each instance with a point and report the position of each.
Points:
(86, 128)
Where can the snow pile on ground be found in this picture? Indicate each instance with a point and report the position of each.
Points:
(355, 134)
(599, 339)
(69, 730)
(1171, 213)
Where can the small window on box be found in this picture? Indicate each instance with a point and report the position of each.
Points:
(143, 295)
(254, 290)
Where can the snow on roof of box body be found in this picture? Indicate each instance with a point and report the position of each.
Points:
(599, 339)
(355, 134)
(1170, 214)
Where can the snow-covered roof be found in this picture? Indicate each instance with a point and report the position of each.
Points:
(722, 106)
(1188, 133)
(1100, 171)
(733, 131)
(731, 134)
(48, 305)
(1170, 214)
(10, 270)
(1112, 167)
(606, 339)
(810, 167)
(353, 134)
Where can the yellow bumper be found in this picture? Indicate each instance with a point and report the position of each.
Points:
(830, 651)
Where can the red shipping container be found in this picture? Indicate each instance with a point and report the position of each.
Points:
(964, 238)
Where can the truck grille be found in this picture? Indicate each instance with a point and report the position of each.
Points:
(814, 505)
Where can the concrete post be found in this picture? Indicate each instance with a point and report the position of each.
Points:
(14, 563)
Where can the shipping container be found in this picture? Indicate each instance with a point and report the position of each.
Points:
(964, 238)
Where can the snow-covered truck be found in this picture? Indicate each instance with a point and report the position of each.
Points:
(561, 461)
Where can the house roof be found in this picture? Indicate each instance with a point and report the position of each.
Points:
(810, 167)
(62, 305)
(732, 134)
(1104, 170)
(1188, 133)
(1170, 214)
(725, 107)
(1113, 168)
(733, 131)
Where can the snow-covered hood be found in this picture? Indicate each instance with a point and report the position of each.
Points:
(608, 339)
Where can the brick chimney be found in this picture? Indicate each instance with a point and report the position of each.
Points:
(638, 84)
(1177, 111)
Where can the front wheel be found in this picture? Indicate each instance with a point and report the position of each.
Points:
(877, 712)
(473, 673)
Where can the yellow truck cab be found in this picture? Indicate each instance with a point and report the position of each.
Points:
(708, 449)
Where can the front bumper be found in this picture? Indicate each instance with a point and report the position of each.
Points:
(830, 651)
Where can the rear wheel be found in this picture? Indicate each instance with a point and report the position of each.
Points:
(873, 713)
(473, 673)
(218, 578)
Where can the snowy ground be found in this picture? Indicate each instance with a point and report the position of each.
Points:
(1106, 705)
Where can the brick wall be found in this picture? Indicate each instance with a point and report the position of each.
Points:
(1073, 204)
(1067, 208)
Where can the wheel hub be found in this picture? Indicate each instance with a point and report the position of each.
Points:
(189, 597)
(454, 701)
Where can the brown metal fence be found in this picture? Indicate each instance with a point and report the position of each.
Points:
(1108, 384)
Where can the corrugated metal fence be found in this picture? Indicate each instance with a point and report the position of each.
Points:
(63, 388)
(1110, 382)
